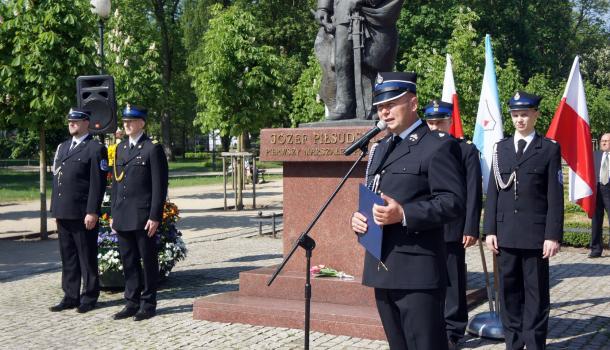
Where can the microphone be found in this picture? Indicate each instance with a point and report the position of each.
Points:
(364, 139)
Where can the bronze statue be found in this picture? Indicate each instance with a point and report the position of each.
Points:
(357, 39)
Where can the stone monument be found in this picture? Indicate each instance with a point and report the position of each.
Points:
(356, 40)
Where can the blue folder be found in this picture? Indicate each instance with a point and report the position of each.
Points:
(373, 238)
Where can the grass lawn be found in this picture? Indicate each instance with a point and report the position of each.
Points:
(200, 165)
(21, 186)
(187, 181)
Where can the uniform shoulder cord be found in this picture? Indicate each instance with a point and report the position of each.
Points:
(500, 184)
(117, 177)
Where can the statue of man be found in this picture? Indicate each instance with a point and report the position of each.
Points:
(357, 39)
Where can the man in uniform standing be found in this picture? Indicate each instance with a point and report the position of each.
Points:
(602, 173)
(139, 190)
(524, 223)
(418, 174)
(79, 180)
(462, 233)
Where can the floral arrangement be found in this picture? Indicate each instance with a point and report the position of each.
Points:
(170, 245)
(327, 271)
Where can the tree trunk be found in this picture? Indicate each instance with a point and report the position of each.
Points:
(43, 184)
(166, 135)
(226, 143)
(239, 173)
(164, 20)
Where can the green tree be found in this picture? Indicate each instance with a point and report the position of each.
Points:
(239, 82)
(44, 46)
(306, 104)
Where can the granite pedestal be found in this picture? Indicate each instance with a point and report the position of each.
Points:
(314, 164)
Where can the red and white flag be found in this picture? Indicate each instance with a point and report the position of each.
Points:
(450, 95)
(570, 127)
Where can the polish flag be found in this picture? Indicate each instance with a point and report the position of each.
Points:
(450, 95)
(570, 127)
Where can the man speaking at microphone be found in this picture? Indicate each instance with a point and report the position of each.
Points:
(417, 173)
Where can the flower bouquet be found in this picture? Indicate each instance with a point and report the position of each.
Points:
(327, 271)
(171, 247)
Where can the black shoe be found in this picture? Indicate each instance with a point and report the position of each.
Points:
(594, 255)
(143, 315)
(62, 306)
(84, 308)
(126, 312)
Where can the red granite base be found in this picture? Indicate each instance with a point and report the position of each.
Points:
(313, 166)
(338, 307)
(354, 321)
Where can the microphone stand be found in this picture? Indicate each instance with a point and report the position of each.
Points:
(307, 243)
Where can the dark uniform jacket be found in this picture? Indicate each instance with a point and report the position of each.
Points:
(79, 179)
(534, 213)
(469, 223)
(423, 173)
(139, 186)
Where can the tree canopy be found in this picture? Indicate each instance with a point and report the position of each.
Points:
(241, 65)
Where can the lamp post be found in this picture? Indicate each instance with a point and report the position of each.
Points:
(102, 9)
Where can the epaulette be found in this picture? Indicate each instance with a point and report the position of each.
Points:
(154, 142)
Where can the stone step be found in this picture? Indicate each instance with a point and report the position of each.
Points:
(349, 320)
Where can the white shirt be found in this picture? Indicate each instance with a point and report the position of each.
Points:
(78, 140)
(601, 174)
(134, 141)
(528, 139)
(403, 135)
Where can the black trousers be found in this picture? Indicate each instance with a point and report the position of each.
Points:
(78, 250)
(412, 319)
(524, 297)
(140, 277)
(602, 204)
(456, 307)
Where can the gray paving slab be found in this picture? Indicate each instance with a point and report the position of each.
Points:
(219, 248)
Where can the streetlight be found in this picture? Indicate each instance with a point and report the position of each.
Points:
(102, 9)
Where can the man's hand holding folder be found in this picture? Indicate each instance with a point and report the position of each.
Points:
(389, 213)
(382, 210)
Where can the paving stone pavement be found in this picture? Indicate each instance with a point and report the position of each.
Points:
(580, 316)
(30, 282)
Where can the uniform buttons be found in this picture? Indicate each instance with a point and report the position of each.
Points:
(516, 211)
(382, 172)
(123, 197)
(60, 194)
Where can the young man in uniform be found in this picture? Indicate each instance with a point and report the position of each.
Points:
(462, 233)
(524, 223)
(418, 174)
(139, 190)
(79, 180)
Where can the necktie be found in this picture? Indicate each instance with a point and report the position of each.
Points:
(131, 146)
(603, 177)
(520, 147)
(395, 141)
(72, 146)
